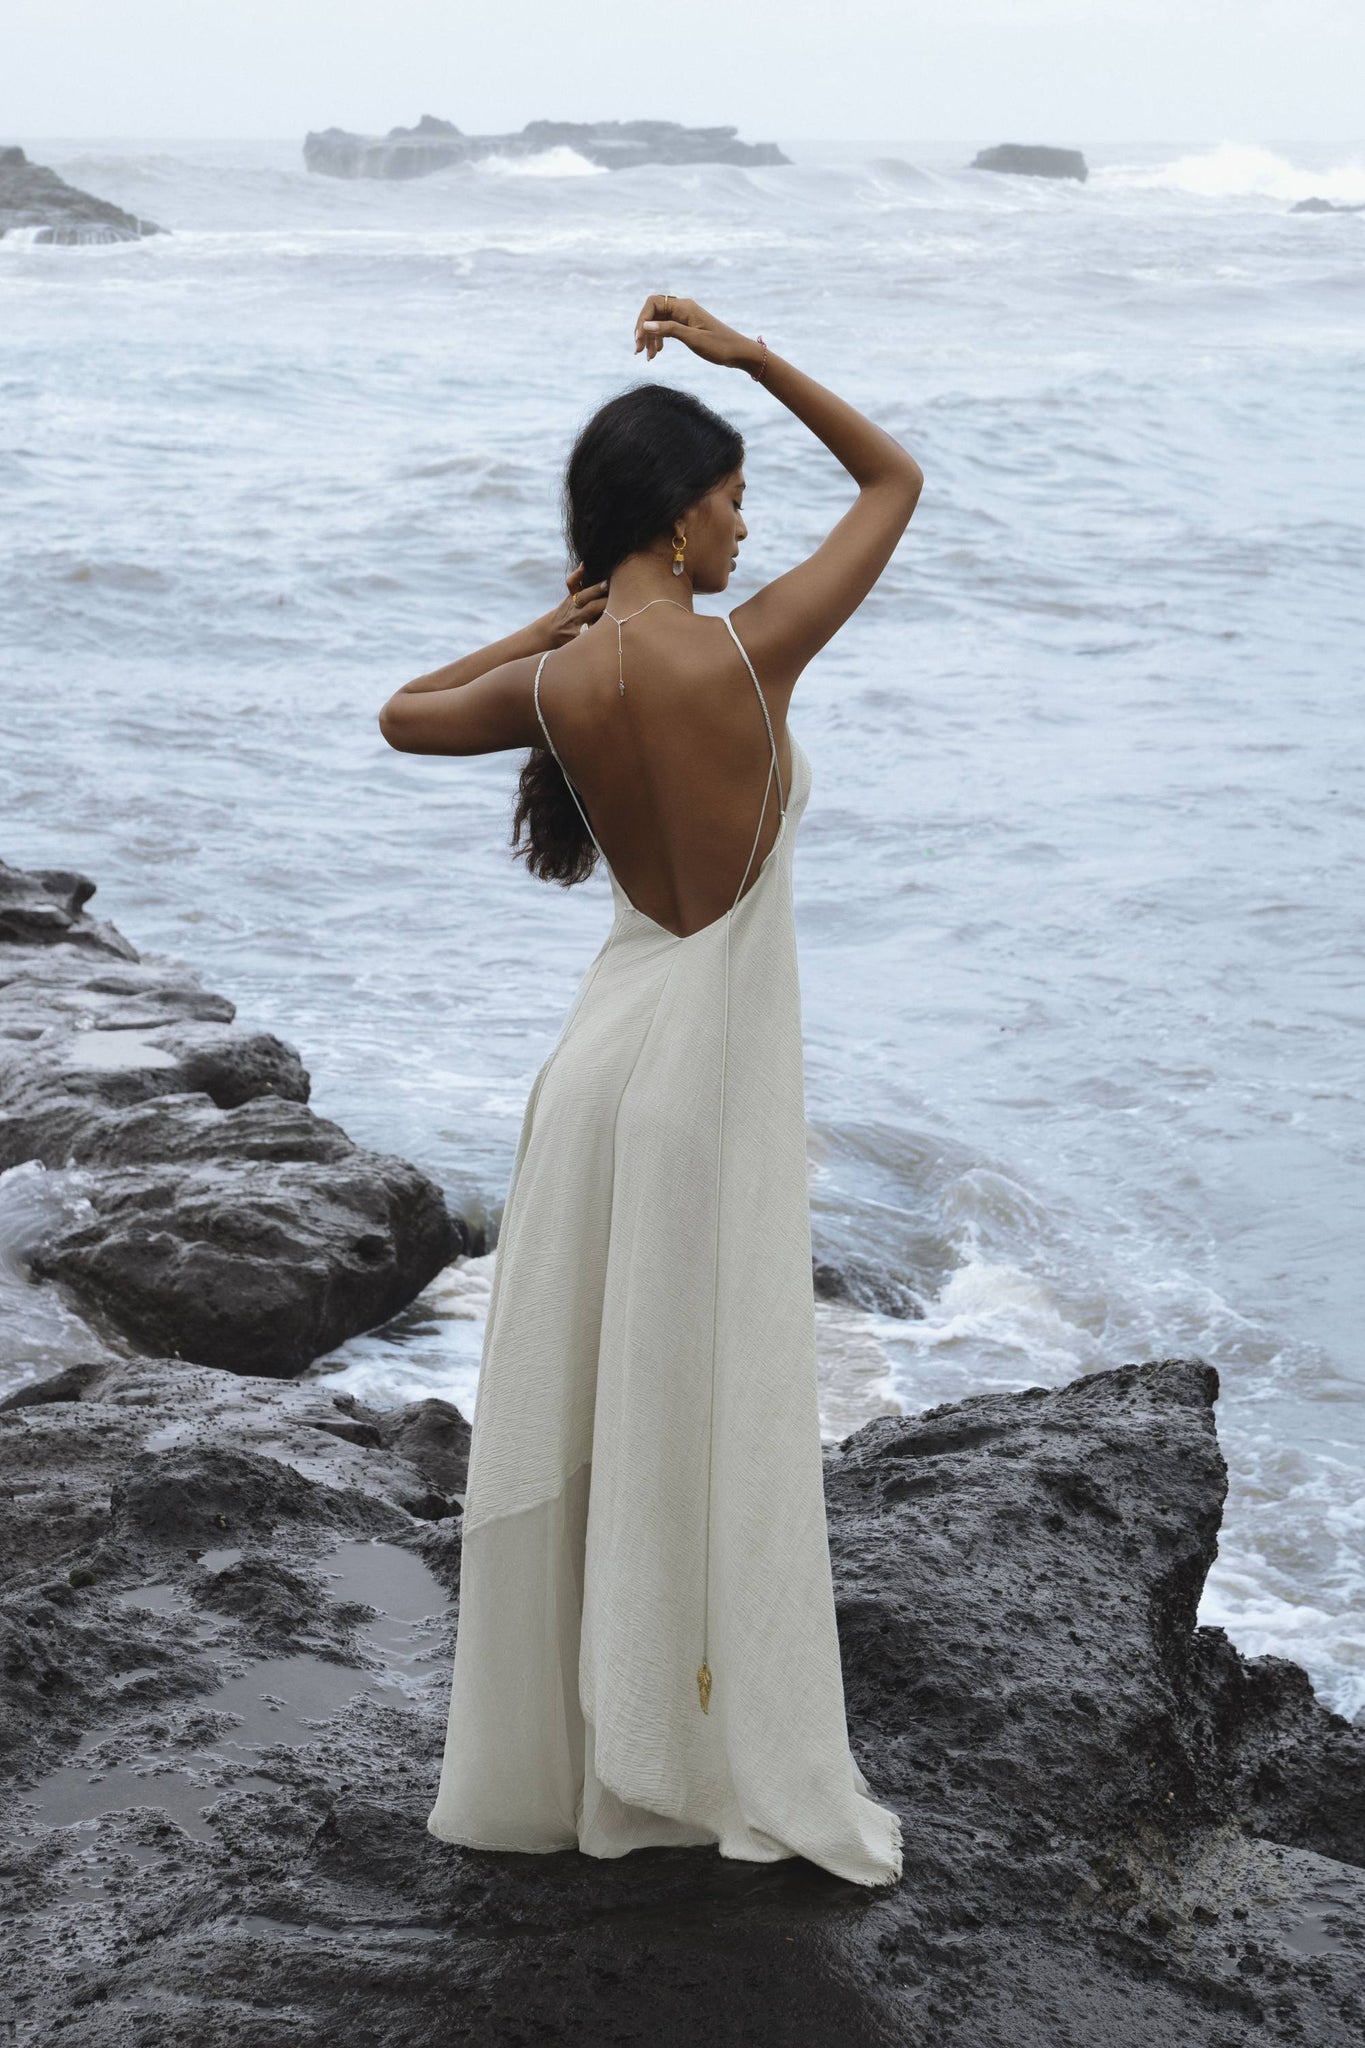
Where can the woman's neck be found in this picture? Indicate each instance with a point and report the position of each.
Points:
(644, 579)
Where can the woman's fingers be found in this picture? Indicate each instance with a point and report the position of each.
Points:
(664, 314)
(647, 312)
(666, 317)
(657, 332)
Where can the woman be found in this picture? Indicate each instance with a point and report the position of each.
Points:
(646, 1650)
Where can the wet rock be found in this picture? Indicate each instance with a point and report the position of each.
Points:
(72, 1384)
(35, 199)
(434, 1438)
(429, 1440)
(865, 1285)
(46, 904)
(1294, 1769)
(433, 145)
(228, 1516)
(211, 1212)
(1032, 160)
(250, 1265)
(204, 1495)
(191, 1129)
(1116, 1828)
(281, 1612)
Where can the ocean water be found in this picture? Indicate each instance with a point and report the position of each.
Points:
(1079, 884)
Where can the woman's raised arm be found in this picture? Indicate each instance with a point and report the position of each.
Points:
(790, 619)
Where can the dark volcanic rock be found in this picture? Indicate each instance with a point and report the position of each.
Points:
(273, 1264)
(206, 1494)
(433, 145)
(434, 1438)
(33, 197)
(1030, 160)
(865, 1285)
(72, 1384)
(212, 1213)
(46, 904)
(1292, 1768)
(1116, 1829)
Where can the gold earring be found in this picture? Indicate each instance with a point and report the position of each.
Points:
(679, 550)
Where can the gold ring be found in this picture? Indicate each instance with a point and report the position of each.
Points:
(668, 301)
(574, 600)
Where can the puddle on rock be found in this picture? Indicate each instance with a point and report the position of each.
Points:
(1311, 1936)
(218, 1560)
(105, 1048)
(153, 1599)
(400, 1587)
(276, 1701)
(76, 1795)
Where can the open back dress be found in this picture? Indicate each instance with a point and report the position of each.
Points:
(646, 1650)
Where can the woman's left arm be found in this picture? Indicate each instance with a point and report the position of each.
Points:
(415, 727)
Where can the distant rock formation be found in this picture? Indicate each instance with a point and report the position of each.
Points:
(1026, 160)
(33, 197)
(433, 145)
(1324, 206)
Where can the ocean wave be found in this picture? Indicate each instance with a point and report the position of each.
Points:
(1239, 170)
(560, 162)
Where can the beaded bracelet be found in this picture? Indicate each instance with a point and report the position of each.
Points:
(757, 374)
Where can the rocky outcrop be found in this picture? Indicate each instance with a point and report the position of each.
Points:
(37, 200)
(1325, 206)
(864, 1284)
(212, 1214)
(225, 1634)
(433, 145)
(1031, 160)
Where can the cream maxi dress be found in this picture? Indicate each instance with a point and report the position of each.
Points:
(645, 1516)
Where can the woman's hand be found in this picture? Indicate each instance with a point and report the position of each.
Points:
(579, 608)
(663, 318)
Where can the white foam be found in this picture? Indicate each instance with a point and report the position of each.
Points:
(432, 1350)
(1330, 1644)
(1235, 170)
(560, 162)
(855, 1371)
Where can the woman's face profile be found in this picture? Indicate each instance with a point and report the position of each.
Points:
(715, 528)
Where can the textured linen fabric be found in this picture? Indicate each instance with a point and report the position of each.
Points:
(574, 1710)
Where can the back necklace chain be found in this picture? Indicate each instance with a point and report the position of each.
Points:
(618, 623)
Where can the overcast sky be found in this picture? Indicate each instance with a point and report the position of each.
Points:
(1065, 71)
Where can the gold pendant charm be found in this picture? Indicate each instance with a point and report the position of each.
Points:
(704, 1686)
(622, 688)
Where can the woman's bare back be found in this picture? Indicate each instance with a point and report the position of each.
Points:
(675, 772)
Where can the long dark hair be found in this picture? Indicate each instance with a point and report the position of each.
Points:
(639, 463)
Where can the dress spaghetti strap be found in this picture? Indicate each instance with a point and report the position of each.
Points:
(763, 705)
(535, 692)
